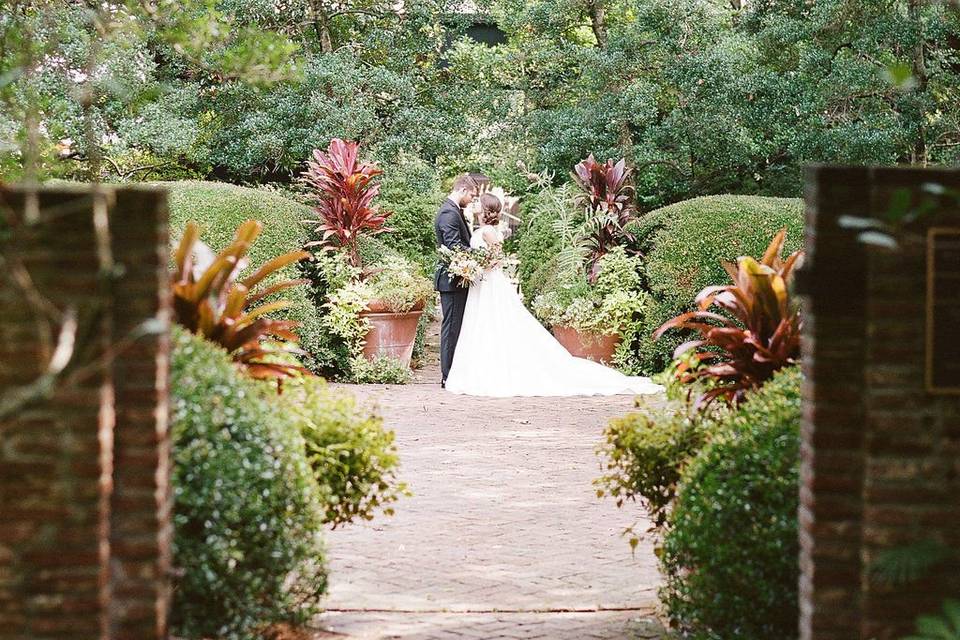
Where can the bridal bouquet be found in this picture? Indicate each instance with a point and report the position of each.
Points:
(466, 264)
(470, 264)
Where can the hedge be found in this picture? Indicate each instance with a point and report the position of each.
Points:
(248, 513)
(220, 208)
(730, 550)
(685, 244)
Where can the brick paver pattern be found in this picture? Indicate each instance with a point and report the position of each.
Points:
(504, 536)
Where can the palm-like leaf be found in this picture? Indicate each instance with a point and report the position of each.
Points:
(345, 190)
(217, 306)
(757, 334)
(942, 627)
(608, 198)
(911, 562)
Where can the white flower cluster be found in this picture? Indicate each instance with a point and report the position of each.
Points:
(464, 264)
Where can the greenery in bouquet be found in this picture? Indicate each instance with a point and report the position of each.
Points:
(466, 264)
(610, 305)
(469, 265)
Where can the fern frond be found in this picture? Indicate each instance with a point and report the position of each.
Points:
(909, 563)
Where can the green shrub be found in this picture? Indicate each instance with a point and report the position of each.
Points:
(220, 208)
(354, 458)
(940, 626)
(411, 189)
(609, 305)
(730, 549)
(685, 244)
(400, 285)
(374, 250)
(645, 452)
(381, 370)
(650, 356)
(248, 513)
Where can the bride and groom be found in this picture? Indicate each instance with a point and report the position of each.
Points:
(490, 345)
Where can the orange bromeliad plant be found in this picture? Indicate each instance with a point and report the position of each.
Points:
(758, 335)
(223, 309)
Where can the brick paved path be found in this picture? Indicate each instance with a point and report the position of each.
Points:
(504, 536)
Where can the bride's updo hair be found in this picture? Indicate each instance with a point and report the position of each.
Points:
(490, 206)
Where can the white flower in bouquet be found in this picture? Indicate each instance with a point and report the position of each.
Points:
(464, 264)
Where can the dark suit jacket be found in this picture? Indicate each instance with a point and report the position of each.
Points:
(454, 233)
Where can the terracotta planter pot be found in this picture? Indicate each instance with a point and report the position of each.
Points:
(391, 334)
(598, 348)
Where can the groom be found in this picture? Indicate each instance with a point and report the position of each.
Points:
(454, 233)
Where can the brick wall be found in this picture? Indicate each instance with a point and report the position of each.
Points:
(84, 474)
(879, 460)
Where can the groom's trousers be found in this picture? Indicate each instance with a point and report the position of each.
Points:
(452, 305)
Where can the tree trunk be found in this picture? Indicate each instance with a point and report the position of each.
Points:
(919, 69)
(598, 21)
(321, 26)
(326, 42)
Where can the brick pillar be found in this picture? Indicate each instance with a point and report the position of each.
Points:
(831, 467)
(140, 525)
(84, 498)
(879, 456)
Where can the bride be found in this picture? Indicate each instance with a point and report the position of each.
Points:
(504, 351)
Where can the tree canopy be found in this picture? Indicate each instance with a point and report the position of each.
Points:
(701, 96)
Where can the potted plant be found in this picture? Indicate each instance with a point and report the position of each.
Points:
(393, 291)
(345, 188)
(607, 198)
(398, 295)
(211, 299)
(590, 318)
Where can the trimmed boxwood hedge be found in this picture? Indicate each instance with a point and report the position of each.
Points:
(220, 208)
(685, 244)
(730, 550)
(248, 513)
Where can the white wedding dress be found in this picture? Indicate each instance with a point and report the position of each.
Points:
(504, 351)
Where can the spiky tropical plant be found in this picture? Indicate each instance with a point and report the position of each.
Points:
(345, 190)
(608, 198)
(216, 304)
(758, 336)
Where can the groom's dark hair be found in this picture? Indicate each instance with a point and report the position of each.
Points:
(465, 182)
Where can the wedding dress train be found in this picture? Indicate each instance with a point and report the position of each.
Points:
(504, 351)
